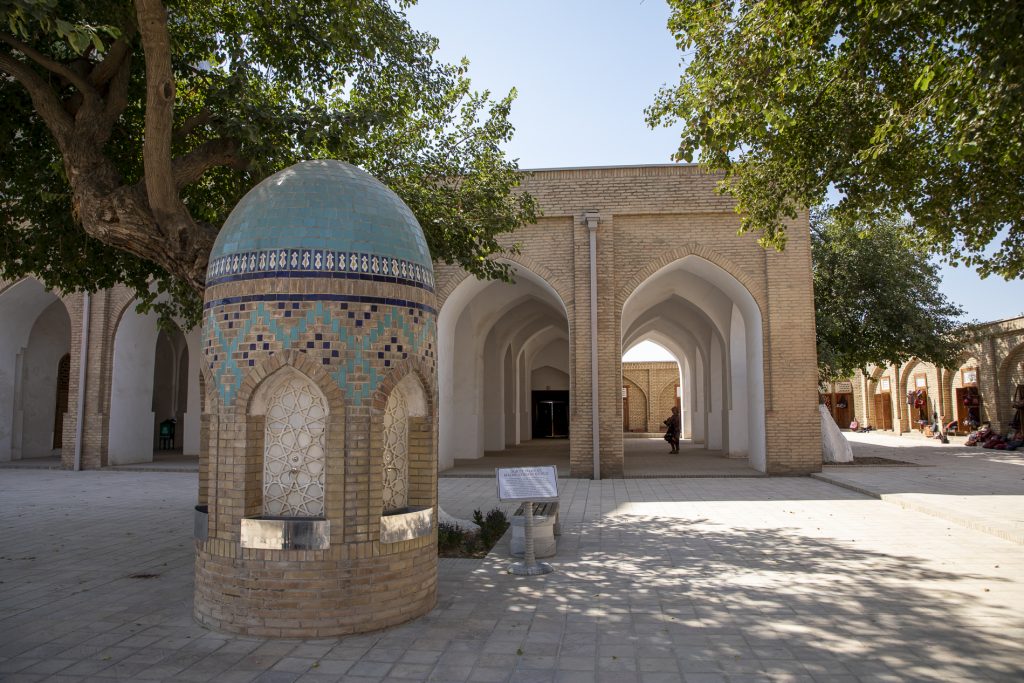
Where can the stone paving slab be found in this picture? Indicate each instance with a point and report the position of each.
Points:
(977, 488)
(779, 579)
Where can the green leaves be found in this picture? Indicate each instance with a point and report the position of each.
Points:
(925, 79)
(902, 106)
(280, 82)
(877, 298)
(31, 18)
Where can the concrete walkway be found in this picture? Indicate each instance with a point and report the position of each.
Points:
(973, 487)
(697, 580)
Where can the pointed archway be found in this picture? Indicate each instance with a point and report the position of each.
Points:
(34, 339)
(708, 320)
(503, 358)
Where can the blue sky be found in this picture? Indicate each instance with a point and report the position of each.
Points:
(585, 71)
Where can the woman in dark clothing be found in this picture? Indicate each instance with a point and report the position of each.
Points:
(674, 428)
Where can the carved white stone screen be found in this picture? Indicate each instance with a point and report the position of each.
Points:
(293, 452)
(396, 452)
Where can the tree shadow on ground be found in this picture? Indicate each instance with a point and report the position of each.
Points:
(769, 602)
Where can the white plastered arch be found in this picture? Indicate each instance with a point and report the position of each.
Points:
(730, 344)
(480, 328)
(35, 335)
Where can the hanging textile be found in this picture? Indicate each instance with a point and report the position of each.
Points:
(1018, 405)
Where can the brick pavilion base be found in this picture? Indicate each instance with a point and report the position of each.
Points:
(348, 589)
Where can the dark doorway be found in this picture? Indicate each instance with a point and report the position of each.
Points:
(968, 408)
(550, 414)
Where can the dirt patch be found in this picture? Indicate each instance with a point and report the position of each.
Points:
(872, 460)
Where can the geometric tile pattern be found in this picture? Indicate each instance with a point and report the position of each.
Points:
(294, 453)
(317, 263)
(396, 452)
(322, 206)
(356, 342)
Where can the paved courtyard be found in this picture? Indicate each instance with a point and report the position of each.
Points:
(701, 579)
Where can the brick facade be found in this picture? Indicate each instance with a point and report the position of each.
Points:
(650, 218)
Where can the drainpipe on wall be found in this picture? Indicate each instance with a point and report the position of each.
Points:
(592, 219)
(82, 362)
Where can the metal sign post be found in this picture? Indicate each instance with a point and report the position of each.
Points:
(528, 484)
(529, 566)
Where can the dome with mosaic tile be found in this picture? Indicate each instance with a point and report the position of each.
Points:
(321, 218)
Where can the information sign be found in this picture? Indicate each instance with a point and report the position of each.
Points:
(537, 484)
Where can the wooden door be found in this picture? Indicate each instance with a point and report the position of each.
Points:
(883, 411)
(968, 408)
(842, 409)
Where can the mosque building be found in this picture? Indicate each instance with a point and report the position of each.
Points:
(618, 255)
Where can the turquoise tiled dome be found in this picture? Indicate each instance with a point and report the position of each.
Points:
(321, 216)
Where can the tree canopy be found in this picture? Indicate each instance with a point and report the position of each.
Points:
(877, 298)
(906, 107)
(133, 128)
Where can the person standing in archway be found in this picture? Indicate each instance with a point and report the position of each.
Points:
(673, 429)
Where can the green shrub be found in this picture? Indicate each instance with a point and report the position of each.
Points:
(493, 527)
(449, 537)
(454, 542)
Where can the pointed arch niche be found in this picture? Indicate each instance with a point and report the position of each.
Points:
(34, 337)
(407, 402)
(408, 472)
(288, 416)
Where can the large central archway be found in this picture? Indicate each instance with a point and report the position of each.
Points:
(504, 366)
(712, 325)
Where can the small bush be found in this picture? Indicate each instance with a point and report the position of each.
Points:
(454, 542)
(449, 538)
(493, 527)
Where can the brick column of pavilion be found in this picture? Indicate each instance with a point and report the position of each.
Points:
(319, 333)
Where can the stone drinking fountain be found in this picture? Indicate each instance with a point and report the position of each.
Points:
(320, 472)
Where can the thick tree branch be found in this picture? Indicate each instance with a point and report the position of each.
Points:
(191, 123)
(44, 99)
(156, 44)
(220, 152)
(117, 97)
(51, 65)
(111, 65)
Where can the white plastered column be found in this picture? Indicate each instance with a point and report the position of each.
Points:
(738, 412)
(131, 389)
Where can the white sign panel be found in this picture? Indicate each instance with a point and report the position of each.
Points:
(535, 484)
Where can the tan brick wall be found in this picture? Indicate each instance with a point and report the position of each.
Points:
(657, 381)
(651, 217)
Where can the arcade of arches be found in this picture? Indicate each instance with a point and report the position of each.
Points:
(907, 398)
(136, 377)
(516, 361)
